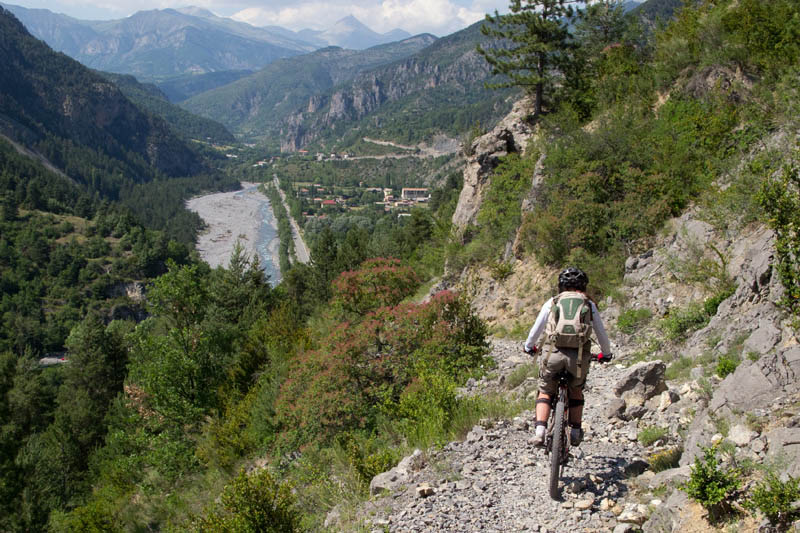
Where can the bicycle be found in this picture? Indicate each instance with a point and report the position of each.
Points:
(557, 439)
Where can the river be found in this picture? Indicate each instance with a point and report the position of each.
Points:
(245, 216)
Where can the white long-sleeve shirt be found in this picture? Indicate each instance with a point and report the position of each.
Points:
(541, 322)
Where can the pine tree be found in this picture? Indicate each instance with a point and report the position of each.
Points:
(534, 40)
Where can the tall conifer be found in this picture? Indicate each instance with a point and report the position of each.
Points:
(534, 39)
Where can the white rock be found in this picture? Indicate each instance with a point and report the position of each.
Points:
(583, 505)
(741, 435)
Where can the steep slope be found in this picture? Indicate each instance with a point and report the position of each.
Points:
(184, 87)
(254, 106)
(189, 126)
(53, 104)
(160, 44)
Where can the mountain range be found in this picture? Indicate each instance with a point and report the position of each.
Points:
(409, 90)
(166, 43)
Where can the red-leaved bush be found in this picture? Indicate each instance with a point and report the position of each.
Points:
(341, 386)
(377, 283)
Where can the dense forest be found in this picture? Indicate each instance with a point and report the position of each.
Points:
(167, 399)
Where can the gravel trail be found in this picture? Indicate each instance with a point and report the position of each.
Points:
(497, 481)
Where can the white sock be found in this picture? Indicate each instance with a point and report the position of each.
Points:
(540, 431)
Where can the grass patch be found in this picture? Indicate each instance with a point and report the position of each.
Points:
(631, 320)
(680, 368)
(520, 374)
(651, 434)
(666, 459)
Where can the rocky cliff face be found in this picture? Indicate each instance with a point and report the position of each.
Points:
(370, 91)
(511, 134)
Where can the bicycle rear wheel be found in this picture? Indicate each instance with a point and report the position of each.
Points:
(558, 445)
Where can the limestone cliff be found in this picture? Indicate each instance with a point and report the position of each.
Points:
(510, 135)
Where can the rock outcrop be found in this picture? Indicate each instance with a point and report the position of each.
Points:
(512, 134)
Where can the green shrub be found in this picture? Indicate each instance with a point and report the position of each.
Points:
(712, 486)
(664, 460)
(501, 270)
(781, 200)
(775, 499)
(97, 516)
(631, 320)
(726, 365)
(679, 323)
(651, 434)
(368, 457)
(252, 503)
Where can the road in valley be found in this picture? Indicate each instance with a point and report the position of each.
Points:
(300, 249)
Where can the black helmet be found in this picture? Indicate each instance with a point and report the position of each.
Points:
(572, 278)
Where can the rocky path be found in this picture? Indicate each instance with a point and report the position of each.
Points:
(496, 480)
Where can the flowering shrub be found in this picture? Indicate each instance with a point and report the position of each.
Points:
(365, 365)
(377, 283)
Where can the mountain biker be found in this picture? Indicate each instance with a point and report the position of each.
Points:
(570, 280)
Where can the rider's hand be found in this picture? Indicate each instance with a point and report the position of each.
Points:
(529, 351)
(604, 358)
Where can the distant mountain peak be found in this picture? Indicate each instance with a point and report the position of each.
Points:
(196, 12)
(349, 32)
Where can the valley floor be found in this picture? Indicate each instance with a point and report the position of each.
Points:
(241, 216)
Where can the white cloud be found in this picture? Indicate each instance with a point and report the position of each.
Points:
(440, 17)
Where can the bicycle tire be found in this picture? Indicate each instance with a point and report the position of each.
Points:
(558, 448)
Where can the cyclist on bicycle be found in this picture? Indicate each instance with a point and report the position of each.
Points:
(572, 284)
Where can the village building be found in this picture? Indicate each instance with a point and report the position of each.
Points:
(415, 194)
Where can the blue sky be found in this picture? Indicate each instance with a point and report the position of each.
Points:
(440, 17)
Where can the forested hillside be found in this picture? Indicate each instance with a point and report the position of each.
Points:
(663, 161)
(190, 127)
(83, 125)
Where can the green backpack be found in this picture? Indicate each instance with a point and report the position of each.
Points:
(570, 322)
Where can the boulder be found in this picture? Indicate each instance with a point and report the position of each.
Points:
(645, 380)
(616, 409)
(783, 444)
(757, 384)
(387, 481)
(667, 518)
(741, 435)
(763, 338)
(672, 476)
(397, 476)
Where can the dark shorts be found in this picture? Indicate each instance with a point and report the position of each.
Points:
(558, 360)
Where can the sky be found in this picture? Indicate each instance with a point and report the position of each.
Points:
(439, 17)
